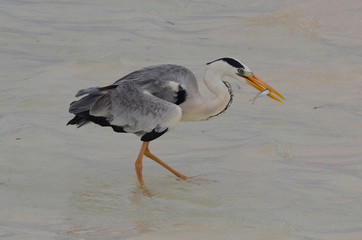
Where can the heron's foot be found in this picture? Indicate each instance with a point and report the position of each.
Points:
(141, 185)
(146, 191)
(198, 179)
(181, 177)
(141, 193)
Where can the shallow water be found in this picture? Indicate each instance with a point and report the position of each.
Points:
(262, 171)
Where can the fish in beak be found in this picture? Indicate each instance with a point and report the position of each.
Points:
(260, 85)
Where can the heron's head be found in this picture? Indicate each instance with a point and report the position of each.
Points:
(236, 69)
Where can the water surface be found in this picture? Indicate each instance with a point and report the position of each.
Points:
(263, 171)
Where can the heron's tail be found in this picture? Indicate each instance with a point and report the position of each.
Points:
(78, 121)
(78, 108)
(82, 118)
(83, 105)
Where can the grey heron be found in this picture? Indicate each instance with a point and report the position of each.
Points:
(152, 100)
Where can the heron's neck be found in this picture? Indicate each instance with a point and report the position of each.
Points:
(222, 93)
(206, 108)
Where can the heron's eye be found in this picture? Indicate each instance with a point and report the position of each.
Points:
(240, 70)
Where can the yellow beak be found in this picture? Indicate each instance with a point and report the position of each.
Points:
(261, 86)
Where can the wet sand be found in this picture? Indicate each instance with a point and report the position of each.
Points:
(263, 171)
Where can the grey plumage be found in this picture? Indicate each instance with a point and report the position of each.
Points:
(156, 80)
(143, 101)
(135, 110)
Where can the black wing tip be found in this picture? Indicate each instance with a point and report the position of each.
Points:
(74, 121)
(78, 121)
(118, 129)
(84, 117)
(148, 137)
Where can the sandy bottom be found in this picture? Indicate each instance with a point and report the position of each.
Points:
(262, 171)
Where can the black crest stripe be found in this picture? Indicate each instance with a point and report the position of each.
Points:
(230, 61)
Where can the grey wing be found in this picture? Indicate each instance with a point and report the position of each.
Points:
(93, 94)
(136, 110)
(169, 82)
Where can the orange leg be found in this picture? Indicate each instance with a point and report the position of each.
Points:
(138, 164)
(145, 151)
(148, 154)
